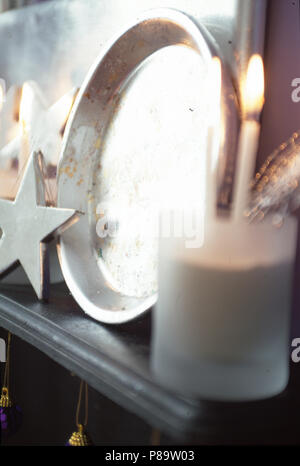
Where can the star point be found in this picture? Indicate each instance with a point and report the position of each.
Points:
(27, 224)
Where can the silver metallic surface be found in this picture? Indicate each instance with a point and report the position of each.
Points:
(56, 42)
(88, 130)
(26, 223)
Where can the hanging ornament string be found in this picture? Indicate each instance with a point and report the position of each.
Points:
(10, 412)
(5, 387)
(155, 437)
(81, 437)
(85, 421)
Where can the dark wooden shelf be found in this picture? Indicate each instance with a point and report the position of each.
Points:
(115, 361)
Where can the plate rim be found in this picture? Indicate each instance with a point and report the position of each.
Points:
(208, 48)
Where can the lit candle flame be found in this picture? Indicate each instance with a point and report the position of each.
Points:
(253, 94)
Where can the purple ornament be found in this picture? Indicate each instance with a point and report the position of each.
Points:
(10, 420)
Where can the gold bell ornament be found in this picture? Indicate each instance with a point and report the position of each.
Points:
(81, 438)
(10, 412)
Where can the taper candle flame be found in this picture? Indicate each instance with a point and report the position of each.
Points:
(254, 87)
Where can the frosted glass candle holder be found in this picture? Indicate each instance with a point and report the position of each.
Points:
(222, 321)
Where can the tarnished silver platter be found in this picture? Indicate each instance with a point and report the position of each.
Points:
(138, 116)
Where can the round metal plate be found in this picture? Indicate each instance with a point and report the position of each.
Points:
(137, 119)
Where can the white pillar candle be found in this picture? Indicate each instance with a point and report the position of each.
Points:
(221, 324)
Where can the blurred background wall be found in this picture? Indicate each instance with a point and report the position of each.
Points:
(11, 4)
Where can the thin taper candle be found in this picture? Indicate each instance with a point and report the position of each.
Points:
(252, 103)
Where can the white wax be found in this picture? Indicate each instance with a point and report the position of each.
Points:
(247, 150)
(221, 323)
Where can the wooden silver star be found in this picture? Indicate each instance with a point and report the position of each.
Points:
(26, 225)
